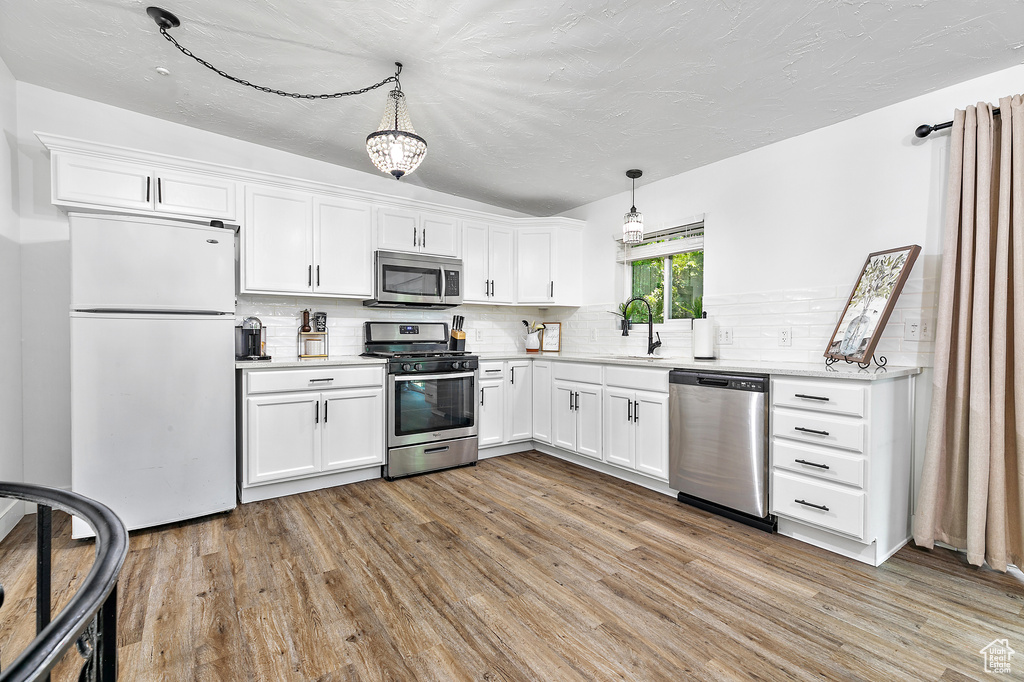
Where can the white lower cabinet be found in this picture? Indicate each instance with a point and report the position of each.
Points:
(577, 417)
(491, 411)
(841, 453)
(636, 430)
(291, 435)
(505, 402)
(542, 401)
(283, 435)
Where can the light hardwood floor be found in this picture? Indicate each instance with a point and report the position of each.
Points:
(522, 568)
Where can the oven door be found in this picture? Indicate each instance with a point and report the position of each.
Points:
(431, 407)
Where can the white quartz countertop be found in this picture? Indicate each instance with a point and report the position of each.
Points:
(333, 361)
(840, 370)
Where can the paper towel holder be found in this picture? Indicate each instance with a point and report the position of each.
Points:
(703, 338)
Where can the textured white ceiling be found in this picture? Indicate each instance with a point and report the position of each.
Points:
(533, 105)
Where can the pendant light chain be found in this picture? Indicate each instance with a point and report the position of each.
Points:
(188, 53)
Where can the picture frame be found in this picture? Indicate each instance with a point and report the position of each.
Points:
(870, 304)
(551, 337)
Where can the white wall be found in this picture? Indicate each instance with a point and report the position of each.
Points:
(788, 226)
(11, 458)
(45, 252)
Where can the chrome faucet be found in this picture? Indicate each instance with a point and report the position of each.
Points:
(652, 345)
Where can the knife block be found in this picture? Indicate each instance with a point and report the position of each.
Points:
(457, 341)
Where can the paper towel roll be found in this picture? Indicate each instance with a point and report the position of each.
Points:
(703, 339)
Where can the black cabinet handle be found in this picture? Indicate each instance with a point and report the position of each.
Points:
(487, 291)
(629, 410)
(313, 381)
(811, 464)
(159, 192)
(512, 371)
(316, 412)
(414, 237)
(310, 277)
(423, 239)
(318, 275)
(481, 395)
(636, 411)
(815, 431)
(148, 181)
(810, 504)
(325, 412)
(810, 397)
(577, 401)
(570, 401)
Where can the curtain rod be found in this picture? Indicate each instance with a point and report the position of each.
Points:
(925, 130)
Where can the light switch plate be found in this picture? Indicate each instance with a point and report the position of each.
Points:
(724, 336)
(912, 329)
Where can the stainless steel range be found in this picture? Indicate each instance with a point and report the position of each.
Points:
(431, 405)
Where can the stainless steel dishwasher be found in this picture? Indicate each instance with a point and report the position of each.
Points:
(718, 444)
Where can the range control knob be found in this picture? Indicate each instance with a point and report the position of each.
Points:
(406, 367)
(466, 364)
(419, 366)
(455, 365)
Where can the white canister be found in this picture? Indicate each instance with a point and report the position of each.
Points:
(533, 342)
(703, 339)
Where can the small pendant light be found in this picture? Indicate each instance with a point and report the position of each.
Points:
(633, 222)
(395, 147)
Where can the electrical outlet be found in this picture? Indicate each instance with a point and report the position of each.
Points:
(786, 336)
(593, 335)
(724, 336)
(912, 329)
(479, 334)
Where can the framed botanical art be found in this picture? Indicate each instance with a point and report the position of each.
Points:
(870, 304)
(552, 338)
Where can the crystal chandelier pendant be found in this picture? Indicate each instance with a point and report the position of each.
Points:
(395, 147)
(633, 227)
(633, 222)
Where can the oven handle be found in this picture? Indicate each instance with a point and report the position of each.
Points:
(444, 289)
(422, 377)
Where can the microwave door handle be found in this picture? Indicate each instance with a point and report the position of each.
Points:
(444, 289)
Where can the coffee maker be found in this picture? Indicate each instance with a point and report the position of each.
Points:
(251, 340)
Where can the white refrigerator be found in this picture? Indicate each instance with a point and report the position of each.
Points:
(152, 368)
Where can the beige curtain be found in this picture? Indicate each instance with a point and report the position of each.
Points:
(973, 478)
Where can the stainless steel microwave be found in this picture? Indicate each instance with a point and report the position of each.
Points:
(414, 280)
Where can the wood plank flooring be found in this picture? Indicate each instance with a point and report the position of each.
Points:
(522, 568)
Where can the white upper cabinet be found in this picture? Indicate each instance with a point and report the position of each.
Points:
(196, 195)
(488, 255)
(298, 242)
(402, 229)
(81, 180)
(535, 265)
(277, 240)
(343, 247)
(549, 267)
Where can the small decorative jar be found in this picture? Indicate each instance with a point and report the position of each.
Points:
(533, 342)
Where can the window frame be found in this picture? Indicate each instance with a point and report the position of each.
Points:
(665, 251)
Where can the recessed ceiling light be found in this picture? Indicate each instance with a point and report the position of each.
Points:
(162, 71)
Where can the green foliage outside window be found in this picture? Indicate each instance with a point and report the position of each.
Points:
(686, 291)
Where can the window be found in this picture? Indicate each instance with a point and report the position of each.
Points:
(667, 270)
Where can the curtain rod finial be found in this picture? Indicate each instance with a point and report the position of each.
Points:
(924, 130)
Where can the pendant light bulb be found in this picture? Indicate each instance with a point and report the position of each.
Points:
(633, 222)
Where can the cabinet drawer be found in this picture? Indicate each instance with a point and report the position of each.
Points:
(823, 463)
(575, 371)
(272, 381)
(492, 369)
(821, 396)
(637, 378)
(819, 429)
(838, 509)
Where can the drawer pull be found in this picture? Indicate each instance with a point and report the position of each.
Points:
(810, 504)
(313, 381)
(430, 451)
(811, 464)
(810, 397)
(814, 431)
(491, 371)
